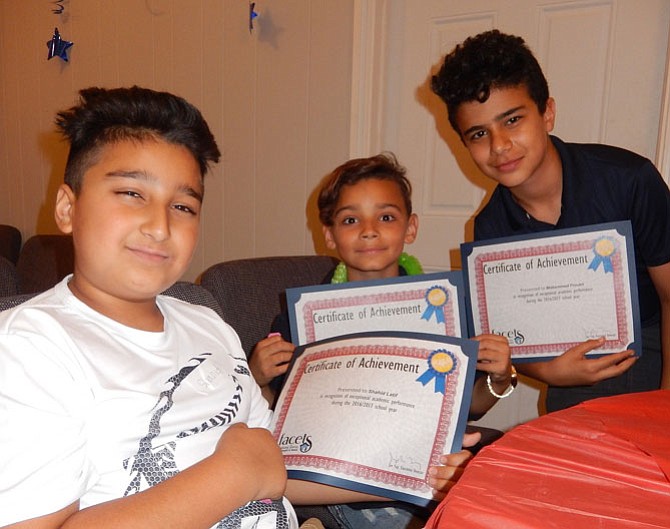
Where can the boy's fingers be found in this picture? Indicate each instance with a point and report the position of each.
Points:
(608, 366)
(281, 345)
(585, 347)
(620, 368)
(471, 439)
(281, 362)
(612, 360)
(616, 358)
(610, 370)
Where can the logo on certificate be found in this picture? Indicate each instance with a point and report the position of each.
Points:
(295, 443)
(436, 298)
(440, 363)
(603, 250)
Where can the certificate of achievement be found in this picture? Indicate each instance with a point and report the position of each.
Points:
(371, 412)
(428, 303)
(550, 291)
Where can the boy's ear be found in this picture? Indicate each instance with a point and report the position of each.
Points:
(550, 114)
(64, 211)
(328, 236)
(412, 228)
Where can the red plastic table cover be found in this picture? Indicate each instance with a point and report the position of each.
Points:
(604, 464)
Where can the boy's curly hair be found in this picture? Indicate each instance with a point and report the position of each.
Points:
(485, 62)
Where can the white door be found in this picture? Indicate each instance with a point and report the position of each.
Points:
(605, 62)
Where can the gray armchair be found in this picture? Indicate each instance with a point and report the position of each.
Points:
(10, 242)
(196, 294)
(44, 260)
(250, 292)
(9, 278)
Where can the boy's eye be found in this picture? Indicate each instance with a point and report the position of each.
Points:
(387, 217)
(349, 220)
(185, 209)
(129, 193)
(513, 120)
(477, 135)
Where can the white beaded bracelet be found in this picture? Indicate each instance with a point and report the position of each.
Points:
(508, 391)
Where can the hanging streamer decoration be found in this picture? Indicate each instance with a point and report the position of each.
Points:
(252, 15)
(57, 46)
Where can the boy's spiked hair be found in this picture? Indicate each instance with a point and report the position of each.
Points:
(105, 116)
(483, 63)
(383, 166)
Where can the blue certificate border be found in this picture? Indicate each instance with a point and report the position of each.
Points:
(624, 228)
(455, 278)
(470, 349)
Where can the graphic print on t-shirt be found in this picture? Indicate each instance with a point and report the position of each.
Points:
(151, 464)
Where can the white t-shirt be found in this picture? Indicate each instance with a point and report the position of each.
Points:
(94, 410)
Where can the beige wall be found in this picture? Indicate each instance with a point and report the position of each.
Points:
(277, 100)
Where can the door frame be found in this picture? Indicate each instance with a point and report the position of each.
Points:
(663, 146)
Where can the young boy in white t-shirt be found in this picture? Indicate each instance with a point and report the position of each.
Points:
(120, 407)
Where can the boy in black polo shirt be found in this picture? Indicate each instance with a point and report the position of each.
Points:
(498, 101)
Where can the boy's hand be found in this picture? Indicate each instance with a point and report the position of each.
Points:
(257, 456)
(494, 357)
(270, 358)
(574, 368)
(442, 478)
(246, 465)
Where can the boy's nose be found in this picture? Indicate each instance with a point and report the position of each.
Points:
(156, 224)
(369, 231)
(500, 142)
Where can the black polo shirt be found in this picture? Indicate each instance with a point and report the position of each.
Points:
(600, 184)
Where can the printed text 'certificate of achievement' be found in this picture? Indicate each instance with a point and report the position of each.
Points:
(428, 303)
(550, 291)
(371, 412)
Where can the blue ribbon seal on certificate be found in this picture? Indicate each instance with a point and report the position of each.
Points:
(603, 250)
(436, 298)
(440, 363)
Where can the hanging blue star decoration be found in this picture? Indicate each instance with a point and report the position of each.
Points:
(58, 47)
(252, 15)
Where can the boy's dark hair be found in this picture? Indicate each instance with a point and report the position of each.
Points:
(383, 166)
(105, 116)
(484, 62)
